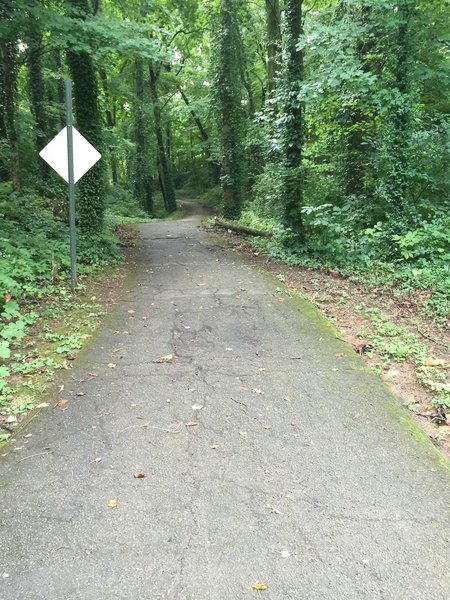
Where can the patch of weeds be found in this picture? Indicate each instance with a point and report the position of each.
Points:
(394, 342)
(34, 366)
(435, 380)
(397, 344)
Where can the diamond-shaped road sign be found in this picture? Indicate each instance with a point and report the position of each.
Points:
(84, 154)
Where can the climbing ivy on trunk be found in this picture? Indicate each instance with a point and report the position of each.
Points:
(142, 175)
(291, 120)
(226, 100)
(9, 148)
(92, 187)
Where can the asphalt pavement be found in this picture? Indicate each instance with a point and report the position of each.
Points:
(225, 439)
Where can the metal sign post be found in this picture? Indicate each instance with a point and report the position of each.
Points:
(73, 232)
(71, 156)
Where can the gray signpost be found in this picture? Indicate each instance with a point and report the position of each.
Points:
(71, 156)
(73, 232)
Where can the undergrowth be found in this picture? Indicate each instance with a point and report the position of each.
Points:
(416, 263)
(34, 276)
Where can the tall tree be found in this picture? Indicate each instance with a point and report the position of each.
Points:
(9, 149)
(292, 119)
(164, 166)
(273, 25)
(92, 187)
(226, 59)
(399, 126)
(142, 176)
(37, 93)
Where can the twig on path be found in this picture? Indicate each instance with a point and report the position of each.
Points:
(428, 337)
(33, 455)
(342, 340)
(176, 428)
(296, 357)
(237, 402)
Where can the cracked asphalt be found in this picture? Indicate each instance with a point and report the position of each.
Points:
(301, 471)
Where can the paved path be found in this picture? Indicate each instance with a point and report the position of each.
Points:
(301, 492)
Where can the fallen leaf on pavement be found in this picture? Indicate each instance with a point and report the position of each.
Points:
(197, 406)
(139, 475)
(111, 366)
(97, 461)
(268, 426)
(357, 416)
(117, 349)
(214, 446)
(43, 405)
(164, 359)
(80, 394)
(131, 312)
(201, 284)
(60, 403)
(113, 503)
(191, 424)
(260, 586)
(286, 398)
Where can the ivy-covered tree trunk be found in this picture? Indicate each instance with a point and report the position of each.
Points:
(92, 187)
(110, 123)
(37, 96)
(273, 27)
(358, 114)
(399, 127)
(165, 171)
(141, 178)
(227, 85)
(292, 120)
(9, 143)
(59, 96)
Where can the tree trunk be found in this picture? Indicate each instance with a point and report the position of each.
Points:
(92, 187)
(60, 95)
(110, 123)
(292, 134)
(166, 176)
(141, 177)
(9, 153)
(358, 126)
(37, 96)
(273, 28)
(401, 126)
(227, 56)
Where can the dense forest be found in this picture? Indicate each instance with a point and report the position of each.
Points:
(325, 122)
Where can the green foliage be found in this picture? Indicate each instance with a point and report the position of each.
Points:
(34, 254)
